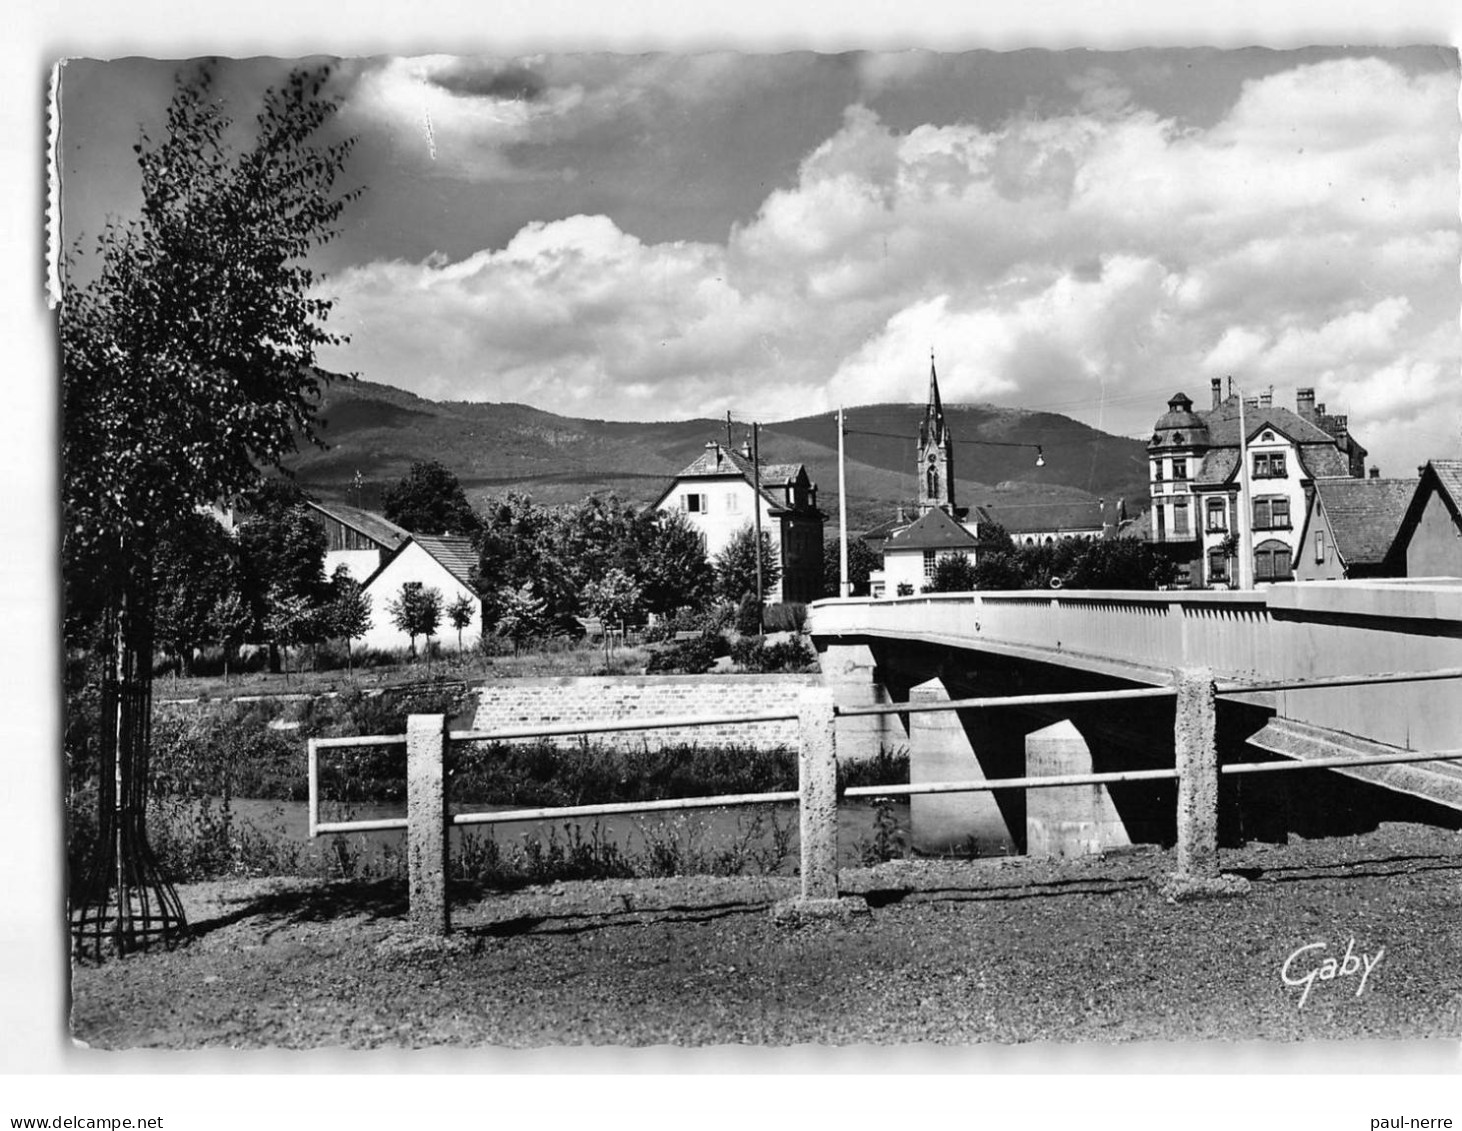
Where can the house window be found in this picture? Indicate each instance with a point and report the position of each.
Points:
(929, 564)
(1217, 566)
(1217, 516)
(1271, 513)
(1157, 470)
(1180, 517)
(1269, 465)
(1180, 469)
(695, 503)
(1319, 545)
(1271, 561)
(733, 502)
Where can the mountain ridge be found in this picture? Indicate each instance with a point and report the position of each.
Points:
(379, 430)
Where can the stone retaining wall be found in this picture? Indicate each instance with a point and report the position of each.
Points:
(588, 699)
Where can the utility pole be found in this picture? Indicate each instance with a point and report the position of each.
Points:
(1243, 518)
(844, 589)
(756, 483)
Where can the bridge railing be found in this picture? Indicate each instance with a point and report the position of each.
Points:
(1196, 769)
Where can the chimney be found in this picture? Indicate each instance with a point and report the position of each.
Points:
(1217, 385)
(1420, 470)
(1375, 473)
(1319, 410)
(1304, 403)
(1266, 398)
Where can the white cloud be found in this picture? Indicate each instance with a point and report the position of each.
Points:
(1309, 237)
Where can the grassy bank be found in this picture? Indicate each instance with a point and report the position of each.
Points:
(1006, 951)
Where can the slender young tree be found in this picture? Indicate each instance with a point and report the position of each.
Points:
(188, 341)
(460, 612)
(416, 610)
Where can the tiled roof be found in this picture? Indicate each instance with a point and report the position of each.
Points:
(373, 526)
(1449, 475)
(1365, 514)
(1324, 462)
(1223, 424)
(1045, 516)
(1218, 464)
(723, 461)
(934, 530)
(453, 552)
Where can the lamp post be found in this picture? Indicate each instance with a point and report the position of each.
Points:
(844, 589)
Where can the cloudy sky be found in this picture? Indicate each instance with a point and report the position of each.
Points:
(663, 236)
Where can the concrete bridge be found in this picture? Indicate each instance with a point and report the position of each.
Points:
(1031, 642)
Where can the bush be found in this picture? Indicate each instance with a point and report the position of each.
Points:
(754, 654)
(690, 657)
(790, 616)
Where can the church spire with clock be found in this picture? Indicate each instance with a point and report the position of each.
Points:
(936, 454)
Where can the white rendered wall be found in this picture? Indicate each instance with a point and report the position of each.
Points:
(415, 564)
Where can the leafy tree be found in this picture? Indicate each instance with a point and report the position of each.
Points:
(459, 612)
(287, 622)
(862, 561)
(953, 573)
(229, 622)
(518, 546)
(416, 610)
(673, 570)
(349, 614)
(992, 538)
(998, 570)
(282, 556)
(188, 348)
(736, 566)
(522, 614)
(430, 500)
(614, 599)
(195, 569)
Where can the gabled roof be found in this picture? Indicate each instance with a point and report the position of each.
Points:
(1444, 476)
(1084, 515)
(1449, 478)
(373, 526)
(1223, 424)
(721, 462)
(453, 552)
(933, 530)
(1364, 515)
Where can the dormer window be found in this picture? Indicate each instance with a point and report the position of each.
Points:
(1268, 437)
(1177, 437)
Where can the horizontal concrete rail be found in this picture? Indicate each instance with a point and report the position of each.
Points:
(613, 808)
(1196, 771)
(664, 722)
(1008, 701)
(1045, 782)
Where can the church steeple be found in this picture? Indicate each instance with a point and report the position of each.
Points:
(936, 455)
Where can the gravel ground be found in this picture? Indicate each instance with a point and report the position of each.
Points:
(949, 952)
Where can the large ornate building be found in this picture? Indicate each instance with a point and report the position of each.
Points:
(1195, 480)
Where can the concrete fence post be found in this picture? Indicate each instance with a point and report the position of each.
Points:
(426, 814)
(1196, 748)
(817, 782)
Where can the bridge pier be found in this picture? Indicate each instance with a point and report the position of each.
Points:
(1078, 820)
(851, 673)
(940, 750)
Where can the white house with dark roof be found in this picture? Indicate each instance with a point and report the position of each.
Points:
(1195, 479)
(441, 562)
(717, 495)
(911, 555)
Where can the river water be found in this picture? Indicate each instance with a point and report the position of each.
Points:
(698, 831)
